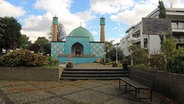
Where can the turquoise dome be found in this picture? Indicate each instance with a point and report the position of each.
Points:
(81, 32)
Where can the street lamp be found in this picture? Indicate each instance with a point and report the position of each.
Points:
(131, 40)
(116, 46)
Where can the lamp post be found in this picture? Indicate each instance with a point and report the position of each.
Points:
(116, 46)
(131, 40)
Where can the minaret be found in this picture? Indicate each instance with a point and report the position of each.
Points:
(54, 31)
(102, 29)
(102, 35)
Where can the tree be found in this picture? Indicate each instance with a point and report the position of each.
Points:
(44, 45)
(169, 47)
(25, 43)
(112, 54)
(111, 51)
(162, 14)
(162, 11)
(61, 34)
(10, 36)
(34, 47)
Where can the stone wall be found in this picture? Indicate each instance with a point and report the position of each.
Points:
(169, 84)
(29, 73)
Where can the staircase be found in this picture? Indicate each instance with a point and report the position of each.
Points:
(101, 73)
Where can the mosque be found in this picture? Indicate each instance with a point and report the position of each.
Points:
(79, 46)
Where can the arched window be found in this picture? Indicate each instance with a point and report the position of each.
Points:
(77, 49)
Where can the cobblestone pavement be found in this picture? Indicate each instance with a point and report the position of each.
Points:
(70, 92)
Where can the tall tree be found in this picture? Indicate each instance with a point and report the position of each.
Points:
(10, 36)
(162, 11)
(25, 43)
(61, 34)
(44, 45)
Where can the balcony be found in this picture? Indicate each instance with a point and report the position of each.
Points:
(179, 41)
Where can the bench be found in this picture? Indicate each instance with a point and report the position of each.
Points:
(138, 81)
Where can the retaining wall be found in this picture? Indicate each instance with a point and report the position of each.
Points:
(169, 84)
(29, 73)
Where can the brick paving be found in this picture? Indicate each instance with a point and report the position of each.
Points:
(70, 92)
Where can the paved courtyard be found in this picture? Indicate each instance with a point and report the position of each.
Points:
(70, 92)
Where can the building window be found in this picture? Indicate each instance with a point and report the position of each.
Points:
(174, 25)
(177, 25)
(180, 25)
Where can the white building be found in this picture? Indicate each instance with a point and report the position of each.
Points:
(135, 33)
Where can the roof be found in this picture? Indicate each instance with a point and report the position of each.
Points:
(81, 32)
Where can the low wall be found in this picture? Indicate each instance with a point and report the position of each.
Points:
(169, 84)
(29, 73)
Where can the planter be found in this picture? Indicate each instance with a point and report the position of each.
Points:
(114, 64)
(69, 65)
(30, 73)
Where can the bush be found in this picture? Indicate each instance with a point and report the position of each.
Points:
(23, 58)
(157, 62)
(52, 61)
(176, 64)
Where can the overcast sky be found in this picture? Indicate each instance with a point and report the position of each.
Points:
(35, 16)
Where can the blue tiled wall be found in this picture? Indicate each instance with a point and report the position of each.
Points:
(95, 48)
(57, 48)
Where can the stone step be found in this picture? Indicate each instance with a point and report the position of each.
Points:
(94, 72)
(101, 69)
(90, 78)
(93, 75)
(102, 73)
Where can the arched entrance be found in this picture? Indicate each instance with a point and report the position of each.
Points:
(77, 49)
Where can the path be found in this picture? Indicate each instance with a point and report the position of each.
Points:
(70, 92)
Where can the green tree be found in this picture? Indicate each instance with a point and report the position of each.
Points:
(44, 45)
(162, 14)
(180, 51)
(162, 11)
(169, 47)
(111, 51)
(112, 54)
(10, 36)
(34, 47)
(25, 43)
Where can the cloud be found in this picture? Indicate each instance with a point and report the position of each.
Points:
(133, 15)
(8, 9)
(33, 35)
(115, 40)
(141, 9)
(60, 8)
(109, 6)
(94, 33)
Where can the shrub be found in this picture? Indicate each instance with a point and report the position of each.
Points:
(176, 64)
(52, 61)
(157, 61)
(23, 58)
(114, 64)
(140, 56)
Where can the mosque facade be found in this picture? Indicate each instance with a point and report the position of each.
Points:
(80, 46)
